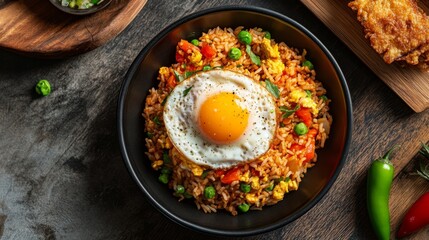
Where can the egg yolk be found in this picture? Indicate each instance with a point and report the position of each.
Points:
(221, 119)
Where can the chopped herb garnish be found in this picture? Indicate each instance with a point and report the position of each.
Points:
(324, 98)
(287, 112)
(156, 120)
(149, 135)
(308, 92)
(166, 170)
(165, 157)
(165, 100)
(272, 88)
(179, 77)
(255, 59)
(287, 179)
(282, 124)
(218, 67)
(186, 91)
(204, 175)
(239, 65)
(206, 68)
(270, 188)
(187, 195)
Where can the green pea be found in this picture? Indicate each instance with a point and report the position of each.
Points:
(187, 195)
(244, 207)
(244, 37)
(267, 35)
(206, 68)
(163, 178)
(209, 192)
(234, 53)
(180, 189)
(308, 64)
(165, 157)
(195, 42)
(43, 87)
(300, 129)
(245, 187)
(308, 92)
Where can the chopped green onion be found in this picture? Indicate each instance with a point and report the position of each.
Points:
(255, 59)
(204, 175)
(156, 120)
(287, 112)
(308, 64)
(272, 88)
(308, 92)
(165, 157)
(324, 98)
(270, 188)
(186, 91)
(179, 77)
(163, 178)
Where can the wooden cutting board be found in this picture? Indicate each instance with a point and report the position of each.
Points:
(411, 84)
(37, 28)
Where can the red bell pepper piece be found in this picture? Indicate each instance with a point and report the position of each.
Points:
(305, 115)
(416, 218)
(207, 51)
(231, 176)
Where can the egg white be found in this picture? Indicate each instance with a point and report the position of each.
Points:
(181, 119)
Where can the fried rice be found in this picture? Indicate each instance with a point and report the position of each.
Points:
(277, 172)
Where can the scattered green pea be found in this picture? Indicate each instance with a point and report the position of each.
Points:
(163, 178)
(308, 64)
(244, 207)
(180, 189)
(187, 195)
(244, 37)
(206, 68)
(245, 187)
(166, 170)
(267, 35)
(195, 42)
(324, 98)
(234, 53)
(209, 192)
(300, 129)
(43, 87)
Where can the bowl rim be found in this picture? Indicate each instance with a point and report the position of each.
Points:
(134, 67)
(73, 11)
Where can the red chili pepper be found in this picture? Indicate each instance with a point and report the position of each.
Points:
(416, 218)
(305, 115)
(231, 176)
(207, 51)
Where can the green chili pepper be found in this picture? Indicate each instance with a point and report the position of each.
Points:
(379, 181)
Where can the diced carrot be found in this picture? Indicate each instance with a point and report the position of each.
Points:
(219, 172)
(254, 172)
(171, 81)
(231, 176)
(179, 57)
(305, 115)
(312, 132)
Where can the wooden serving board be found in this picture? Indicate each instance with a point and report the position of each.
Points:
(37, 28)
(410, 83)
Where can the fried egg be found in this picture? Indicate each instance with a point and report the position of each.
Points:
(220, 118)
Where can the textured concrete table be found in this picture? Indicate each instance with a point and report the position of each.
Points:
(62, 176)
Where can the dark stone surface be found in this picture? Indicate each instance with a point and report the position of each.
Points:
(61, 173)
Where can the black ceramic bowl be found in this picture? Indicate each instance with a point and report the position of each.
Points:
(74, 11)
(161, 51)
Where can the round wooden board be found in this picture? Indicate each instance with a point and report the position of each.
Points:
(37, 28)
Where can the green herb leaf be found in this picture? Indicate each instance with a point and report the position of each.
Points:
(272, 88)
(165, 157)
(186, 91)
(308, 92)
(165, 100)
(149, 135)
(218, 67)
(255, 59)
(156, 120)
(204, 175)
(324, 98)
(179, 77)
(287, 112)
